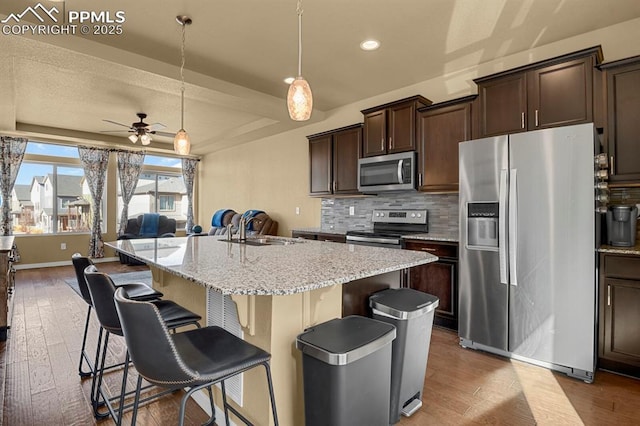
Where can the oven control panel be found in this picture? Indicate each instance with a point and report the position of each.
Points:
(400, 216)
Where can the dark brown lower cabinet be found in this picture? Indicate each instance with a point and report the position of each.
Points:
(320, 236)
(619, 306)
(439, 278)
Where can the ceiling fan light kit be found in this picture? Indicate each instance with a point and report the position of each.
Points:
(182, 143)
(299, 97)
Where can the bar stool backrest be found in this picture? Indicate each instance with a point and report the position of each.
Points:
(150, 345)
(80, 263)
(102, 289)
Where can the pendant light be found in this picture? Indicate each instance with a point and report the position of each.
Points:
(181, 142)
(299, 97)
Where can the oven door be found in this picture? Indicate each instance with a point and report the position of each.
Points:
(394, 172)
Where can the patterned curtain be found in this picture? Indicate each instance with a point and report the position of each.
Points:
(129, 167)
(94, 162)
(11, 154)
(189, 166)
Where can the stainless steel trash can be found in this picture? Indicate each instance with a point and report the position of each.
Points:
(411, 312)
(347, 371)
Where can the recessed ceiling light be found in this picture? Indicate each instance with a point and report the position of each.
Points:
(289, 80)
(370, 44)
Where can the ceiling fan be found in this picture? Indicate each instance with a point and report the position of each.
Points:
(141, 130)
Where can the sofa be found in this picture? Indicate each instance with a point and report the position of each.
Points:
(147, 225)
(261, 223)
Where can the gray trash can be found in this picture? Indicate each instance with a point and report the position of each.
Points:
(347, 371)
(411, 312)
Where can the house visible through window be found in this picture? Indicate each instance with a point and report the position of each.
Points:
(160, 189)
(51, 196)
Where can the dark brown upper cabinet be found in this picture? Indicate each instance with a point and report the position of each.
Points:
(441, 127)
(551, 93)
(333, 161)
(391, 127)
(623, 119)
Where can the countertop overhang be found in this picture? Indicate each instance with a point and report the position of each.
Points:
(278, 269)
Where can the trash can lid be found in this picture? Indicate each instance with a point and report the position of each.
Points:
(403, 303)
(343, 341)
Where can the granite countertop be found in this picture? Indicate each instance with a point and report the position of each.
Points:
(620, 250)
(6, 243)
(426, 236)
(298, 266)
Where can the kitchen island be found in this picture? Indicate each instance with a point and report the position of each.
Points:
(280, 287)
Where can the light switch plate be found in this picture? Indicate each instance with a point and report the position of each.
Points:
(352, 210)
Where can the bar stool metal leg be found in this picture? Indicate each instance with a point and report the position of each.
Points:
(83, 354)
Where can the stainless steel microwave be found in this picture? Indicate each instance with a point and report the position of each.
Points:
(393, 172)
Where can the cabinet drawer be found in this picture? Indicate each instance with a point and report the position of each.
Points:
(437, 249)
(622, 266)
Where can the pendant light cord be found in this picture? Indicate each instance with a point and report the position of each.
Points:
(299, 11)
(182, 79)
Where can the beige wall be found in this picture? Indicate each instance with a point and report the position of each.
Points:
(272, 174)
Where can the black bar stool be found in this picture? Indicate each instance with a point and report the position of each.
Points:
(196, 359)
(102, 289)
(137, 291)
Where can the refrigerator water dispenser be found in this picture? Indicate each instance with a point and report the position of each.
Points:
(482, 226)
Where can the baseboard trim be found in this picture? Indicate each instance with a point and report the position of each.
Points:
(60, 263)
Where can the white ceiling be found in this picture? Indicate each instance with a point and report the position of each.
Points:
(238, 53)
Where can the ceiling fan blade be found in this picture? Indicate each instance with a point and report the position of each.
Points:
(165, 134)
(156, 126)
(116, 123)
(116, 131)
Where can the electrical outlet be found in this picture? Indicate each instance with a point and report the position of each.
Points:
(297, 210)
(63, 246)
(352, 210)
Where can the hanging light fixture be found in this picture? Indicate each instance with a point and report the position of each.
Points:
(299, 97)
(181, 143)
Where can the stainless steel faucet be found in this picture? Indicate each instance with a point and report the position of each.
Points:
(242, 231)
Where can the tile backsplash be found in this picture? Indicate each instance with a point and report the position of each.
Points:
(442, 208)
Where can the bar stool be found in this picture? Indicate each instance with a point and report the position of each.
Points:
(196, 359)
(137, 291)
(102, 289)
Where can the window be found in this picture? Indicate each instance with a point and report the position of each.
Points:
(166, 203)
(50, 194)
(160, 189)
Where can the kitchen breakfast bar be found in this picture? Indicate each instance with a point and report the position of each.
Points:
(279, 286)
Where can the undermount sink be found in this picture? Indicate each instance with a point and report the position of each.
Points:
(263, 242)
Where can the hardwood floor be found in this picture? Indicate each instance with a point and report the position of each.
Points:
(462, 387)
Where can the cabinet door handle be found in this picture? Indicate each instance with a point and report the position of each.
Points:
(537, 124)
(428, 249)
(390, 142)
(608, 295)
(335, 186)
(329, 187)
(522, 120)
(611, 166)
(382, 144)
(419, 179)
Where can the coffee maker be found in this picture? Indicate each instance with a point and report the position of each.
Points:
(621, 225)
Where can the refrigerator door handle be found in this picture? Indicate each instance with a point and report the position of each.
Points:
(502, 227)
(513, 227)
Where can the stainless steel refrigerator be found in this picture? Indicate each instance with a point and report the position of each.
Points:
(527, 247)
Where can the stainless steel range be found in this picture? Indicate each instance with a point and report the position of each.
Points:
(389, 226)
